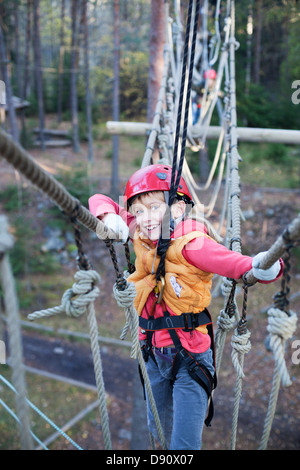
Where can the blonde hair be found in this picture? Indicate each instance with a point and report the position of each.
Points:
(195, 213)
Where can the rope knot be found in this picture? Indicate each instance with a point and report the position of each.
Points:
(75, 301)
(240, 345)
(83, 292)
(225, 322)
(281, 327)
(125, 297)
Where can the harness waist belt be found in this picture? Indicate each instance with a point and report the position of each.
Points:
(186, 321)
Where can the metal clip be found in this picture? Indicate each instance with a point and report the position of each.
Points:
(161, 290)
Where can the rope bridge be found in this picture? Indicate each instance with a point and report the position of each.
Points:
(80, 298)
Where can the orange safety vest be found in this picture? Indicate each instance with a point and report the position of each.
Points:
(187, 288)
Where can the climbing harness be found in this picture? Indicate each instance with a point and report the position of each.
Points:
(187, 322)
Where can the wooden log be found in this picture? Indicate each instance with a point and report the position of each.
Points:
(53, 143)
(52, 132)
(245, 134)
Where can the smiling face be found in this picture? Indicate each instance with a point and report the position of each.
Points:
(149, 210)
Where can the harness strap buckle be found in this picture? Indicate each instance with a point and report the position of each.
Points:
(190, 321)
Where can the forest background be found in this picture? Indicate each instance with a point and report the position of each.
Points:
(60, 55)
(80, 63)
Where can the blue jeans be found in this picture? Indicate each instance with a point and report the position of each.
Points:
(182, 407)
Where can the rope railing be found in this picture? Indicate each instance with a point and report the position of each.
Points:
(23, 162)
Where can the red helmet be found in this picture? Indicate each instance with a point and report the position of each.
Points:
(153, 178)
(210, 73)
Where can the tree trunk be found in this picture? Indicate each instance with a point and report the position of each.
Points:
(87, 81)
(156, 60)
(38, 69)
(26, 85)
(17, 47)
(8, 89)
(257, 60)
(60, 67)
(74, 110)
(249, 47)
(116, 100)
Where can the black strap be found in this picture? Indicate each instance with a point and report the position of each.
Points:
(197, 371)
(186, 321)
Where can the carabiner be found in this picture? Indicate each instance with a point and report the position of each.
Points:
(161, 290)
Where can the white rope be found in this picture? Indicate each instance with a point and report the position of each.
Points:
(76, 299)
(75, 302)
(125, 300)
(241, 345)
(281, 327)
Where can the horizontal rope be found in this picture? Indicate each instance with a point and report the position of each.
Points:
(25, 164)
(278, 249)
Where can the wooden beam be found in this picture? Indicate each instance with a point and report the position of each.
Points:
(245, 134)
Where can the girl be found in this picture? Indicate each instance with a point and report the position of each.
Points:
(174, 322)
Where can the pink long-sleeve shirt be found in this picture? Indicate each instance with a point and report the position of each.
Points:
(202, 253)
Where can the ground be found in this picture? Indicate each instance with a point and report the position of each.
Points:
(267, 213)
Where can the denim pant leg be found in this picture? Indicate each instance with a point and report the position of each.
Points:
(181, 408)
(162, 392)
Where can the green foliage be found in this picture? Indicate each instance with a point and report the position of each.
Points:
(26, 254)
(12, 198)
(269, 165)
(101, 85)
(133, 85)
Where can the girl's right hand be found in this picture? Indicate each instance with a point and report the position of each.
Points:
(117, 224)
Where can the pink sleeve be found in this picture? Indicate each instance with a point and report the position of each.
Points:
(210, 256)
(100, 205)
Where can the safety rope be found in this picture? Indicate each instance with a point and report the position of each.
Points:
(164, 239)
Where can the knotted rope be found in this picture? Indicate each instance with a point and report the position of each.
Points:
(226, 319)
(125, 298)
(75, 302)
(281, 327)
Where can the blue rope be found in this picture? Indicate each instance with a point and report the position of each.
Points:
(10, 411)
(41, 414)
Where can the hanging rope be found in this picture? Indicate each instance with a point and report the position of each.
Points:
(125, 300)
(282, 325)
(77, 301)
